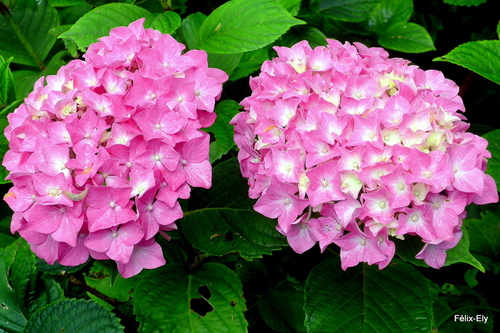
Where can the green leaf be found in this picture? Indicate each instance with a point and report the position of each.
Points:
(47, 291)
(249, 63)
(314, 36)
(498, 29)
(99, 21)
(189, 31)
(347, 10)
(408, 248)
(101, 278)
(228, 190)
(484, 234)
(254, 276)
(482, 57)
(6, 239)
(24, 31)
(218, 231)
(25, 79)
(23, 274)
(190, 27)
(56, 268)
(97, 3)
(12, 319)
(226, 62)
(244, 25)
(293, 6)
(73, 315)
(66, 3)
(224, 222)
(461, 254)
(366, 299)
(208, 299)
(166, 22)
(221, 129)
(283, 309)
(468, 3)
(389, 12)
(7, 90)
(493, 168)
(406, 37)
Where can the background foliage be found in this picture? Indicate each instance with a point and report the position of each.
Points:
(228, 269)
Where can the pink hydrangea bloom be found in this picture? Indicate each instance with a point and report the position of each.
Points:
(100, 155)
(345, 145)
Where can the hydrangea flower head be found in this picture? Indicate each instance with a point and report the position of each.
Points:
(101, 153)
(345, 145)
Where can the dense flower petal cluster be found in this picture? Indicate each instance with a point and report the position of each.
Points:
(345, 145)
(100, 155)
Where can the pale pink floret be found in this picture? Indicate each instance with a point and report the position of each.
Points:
(363, 148)
(95, 155)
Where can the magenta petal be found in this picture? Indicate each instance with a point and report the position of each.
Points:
(147, 254)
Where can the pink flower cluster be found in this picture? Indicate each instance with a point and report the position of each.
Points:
(344, 145)
(101, 154)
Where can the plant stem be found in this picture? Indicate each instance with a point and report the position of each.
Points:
(73, 279)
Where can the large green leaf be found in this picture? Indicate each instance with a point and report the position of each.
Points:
(24, 27)
(366, 299)
(406, 37)
(22, 277)
(226, 62)
(283, 309)
(314, 36)
(493, 168)
(105, 278)
(221, 129)
(408, 248)
(7, 90)
(25, 79)
(218, 231)
(190, 27)
(166, 22)
(47, 291)
(229, 189)
(6, 239)
(293, 6)
(249, 63)
(12, 319)
(484, 234)
(244, 25)
(207, 299)
(347, 10)
(389, 12)
(66, 3)
(482, 57)
(99, 21)
(76, 316)
(223, 220)
(461, 254)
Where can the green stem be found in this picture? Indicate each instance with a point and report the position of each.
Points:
(4, 10)
(73, 279)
